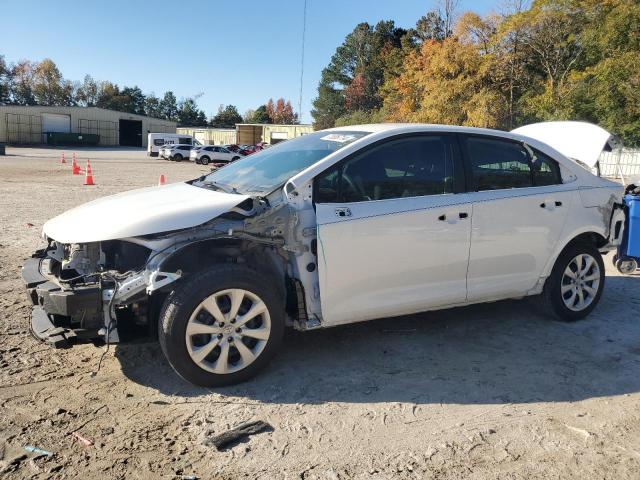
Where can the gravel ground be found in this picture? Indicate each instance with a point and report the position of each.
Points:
(493, 391)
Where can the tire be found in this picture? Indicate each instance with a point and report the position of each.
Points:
(204, 160)
(235, 158)
(626, 265)
(183, 309)
(177, 157)
(589, 281)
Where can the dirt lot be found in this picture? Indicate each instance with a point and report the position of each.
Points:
(496, 391)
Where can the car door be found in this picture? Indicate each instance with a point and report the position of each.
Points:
(393, 236)
(519, 208)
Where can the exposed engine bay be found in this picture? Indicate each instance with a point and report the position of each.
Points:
(88, 289)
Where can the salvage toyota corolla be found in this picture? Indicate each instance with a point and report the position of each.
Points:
(334, 227)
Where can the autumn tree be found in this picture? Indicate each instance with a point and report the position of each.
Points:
(445, 82)
(49, 88)
(281, 112)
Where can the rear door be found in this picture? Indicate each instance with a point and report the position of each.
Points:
(393, 236)
(519, 208)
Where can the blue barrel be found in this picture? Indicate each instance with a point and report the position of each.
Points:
(632, 235)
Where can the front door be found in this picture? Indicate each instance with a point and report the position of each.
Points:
(519, 209)
(393, 236)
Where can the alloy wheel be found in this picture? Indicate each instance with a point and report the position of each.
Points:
(580, 282)
(228, 331)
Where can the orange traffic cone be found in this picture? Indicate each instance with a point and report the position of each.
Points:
(161, 181)
(88, 178)
(62, 160)
(75, 168)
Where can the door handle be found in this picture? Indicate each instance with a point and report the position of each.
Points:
(463, 214)
(555, 203)
(442, 218)
(343, 212)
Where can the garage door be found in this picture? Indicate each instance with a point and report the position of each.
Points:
(52, 122)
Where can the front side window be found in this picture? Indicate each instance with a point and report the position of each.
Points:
(405, 167)
(498, 164)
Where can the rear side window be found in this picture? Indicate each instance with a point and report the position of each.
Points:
(546, 170)
(186, 140)
(498, 164)
(405, 167)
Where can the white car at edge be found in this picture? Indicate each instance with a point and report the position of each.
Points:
(335, 227)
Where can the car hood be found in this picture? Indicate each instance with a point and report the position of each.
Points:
(578, 140)
(140, 212)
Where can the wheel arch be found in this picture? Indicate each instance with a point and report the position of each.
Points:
(587, 235)
(201, 255)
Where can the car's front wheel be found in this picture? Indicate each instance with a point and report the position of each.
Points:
(222, 326)
(576, 282)
(204, 160)
(177, 157)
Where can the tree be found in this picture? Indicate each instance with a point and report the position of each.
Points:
(133, 100)
(281, 112)
(189, 115)
(446, 82)
(22, 75)
(247, 116)
(152, 106)
(49, 88)
(227, 117)
(5, 81)
(87, 92)
(363, 53)
(169, 106)
(261, 115)
(430, 27)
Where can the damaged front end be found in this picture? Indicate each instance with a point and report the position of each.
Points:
(80, 290)
(86, 290)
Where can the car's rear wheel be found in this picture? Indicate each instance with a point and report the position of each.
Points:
(235, 158)
(177, 157)
(204, 160)
(576, 282)
(222, 326)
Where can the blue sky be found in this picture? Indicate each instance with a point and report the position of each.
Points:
(236, 52)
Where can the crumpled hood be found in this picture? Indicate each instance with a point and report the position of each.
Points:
(140, 212)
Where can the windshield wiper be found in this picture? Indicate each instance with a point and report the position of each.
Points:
(223, 187)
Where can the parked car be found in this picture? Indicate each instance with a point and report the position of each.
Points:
(213, 154)
(178, 152)
(335, 227)
(233, 148)
(155, 141)
(163, 151)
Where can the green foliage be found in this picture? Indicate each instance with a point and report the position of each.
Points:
(33, 83)
(227, 117)
(558, 59)
(360, 59)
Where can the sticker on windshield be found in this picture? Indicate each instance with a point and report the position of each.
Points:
(339, 138)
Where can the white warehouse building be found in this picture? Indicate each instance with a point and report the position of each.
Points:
(21, 125)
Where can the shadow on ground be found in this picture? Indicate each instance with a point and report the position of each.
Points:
(505, 352)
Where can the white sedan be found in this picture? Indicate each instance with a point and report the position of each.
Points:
(335, 227)
(213, 154)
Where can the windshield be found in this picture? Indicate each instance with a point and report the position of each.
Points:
(264, 171)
